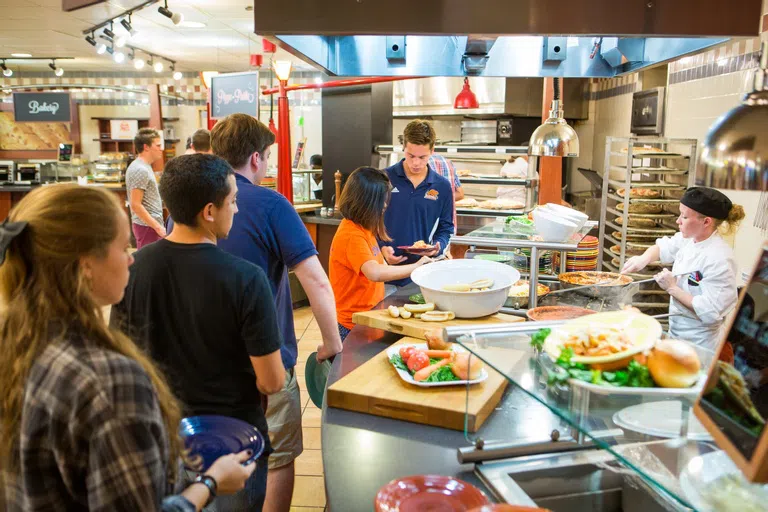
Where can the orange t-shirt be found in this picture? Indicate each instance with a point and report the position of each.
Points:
(352, 246)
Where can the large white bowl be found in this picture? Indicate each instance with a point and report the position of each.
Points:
(574, 216)
(432, 277)
(551, 227)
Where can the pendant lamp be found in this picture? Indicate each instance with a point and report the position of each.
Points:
(466, 98)
(555, 137)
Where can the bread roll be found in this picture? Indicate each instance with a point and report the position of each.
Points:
(674, 364)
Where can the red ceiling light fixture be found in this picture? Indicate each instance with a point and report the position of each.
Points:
(466, 98)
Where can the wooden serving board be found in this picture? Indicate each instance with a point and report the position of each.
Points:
(381, 319)
(376, 388)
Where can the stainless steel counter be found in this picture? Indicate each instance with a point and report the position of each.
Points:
(361, 452)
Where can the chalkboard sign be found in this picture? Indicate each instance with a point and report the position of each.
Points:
(235, 93)
(65, 152)
(44, 107)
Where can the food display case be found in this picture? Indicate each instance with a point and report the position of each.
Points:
(77, 166)
(303, 181)
(643, 181)
(479, 169)
(110, 167)
(605, 446)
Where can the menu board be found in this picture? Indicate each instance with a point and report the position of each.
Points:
(734, 405)
(65, 152)
(235, 93)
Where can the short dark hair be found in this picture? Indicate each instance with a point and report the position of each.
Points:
(364, 199)
(143, 137)
(201, 140)
(420, 132)
(238, 136)
(316, 160)
(190, 182)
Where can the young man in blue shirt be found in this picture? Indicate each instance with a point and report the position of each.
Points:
(267, 231)
(421, 207)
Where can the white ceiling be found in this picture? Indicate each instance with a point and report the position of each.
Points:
(41, 28)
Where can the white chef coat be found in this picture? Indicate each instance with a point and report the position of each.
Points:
(715, 294)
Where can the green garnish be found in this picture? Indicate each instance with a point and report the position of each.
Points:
(417, 298)
(398, 363)
(442, 374)
(537, 340)
(638, 376)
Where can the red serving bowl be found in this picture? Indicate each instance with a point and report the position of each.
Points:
(428, 492)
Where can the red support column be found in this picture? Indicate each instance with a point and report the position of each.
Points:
(284, 170)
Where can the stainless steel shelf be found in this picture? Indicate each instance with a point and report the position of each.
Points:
(639, 156)
(644, 169)
(649, 184)
(495, 181)
(633, 200)
(642, 215)
(480, 212)
(642, 231)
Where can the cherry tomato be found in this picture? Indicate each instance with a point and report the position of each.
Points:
(406, 353)
(417, 361)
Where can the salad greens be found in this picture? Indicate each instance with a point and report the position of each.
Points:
(417, 298)
(442, 374)
(636, 375)
(520, 219)
(537, 340)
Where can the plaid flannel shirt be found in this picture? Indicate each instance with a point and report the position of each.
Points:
(445, 168)
(92, 436)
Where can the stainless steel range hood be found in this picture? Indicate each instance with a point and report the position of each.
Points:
(587, 38)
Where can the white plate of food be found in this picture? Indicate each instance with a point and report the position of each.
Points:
(448, 366)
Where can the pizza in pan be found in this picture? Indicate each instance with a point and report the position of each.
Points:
(520, 289)
(640, 193)
(469, 202)
(637, 223)
(587, 278)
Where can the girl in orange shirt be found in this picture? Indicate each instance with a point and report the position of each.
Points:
(356, 266)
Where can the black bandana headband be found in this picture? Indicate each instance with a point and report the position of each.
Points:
(9, 231)
(708, 202)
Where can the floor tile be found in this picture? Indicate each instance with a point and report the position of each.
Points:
(312, 440)
(312, 416)
(305, 400)
(307, 509)
(310, 463)
(309, 491)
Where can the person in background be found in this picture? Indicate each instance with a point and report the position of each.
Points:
(700, 299)
(316, 164)
(205, 315)
(356, 265)
(421, 207)
(201, 141)
(188, 147)
(447, 170)
(267, 231)
(141, 186)
(88, 420)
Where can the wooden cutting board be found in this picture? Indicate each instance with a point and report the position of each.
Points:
(381, 319)
(376, 388)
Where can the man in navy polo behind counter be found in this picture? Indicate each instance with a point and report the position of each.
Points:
(421, 207)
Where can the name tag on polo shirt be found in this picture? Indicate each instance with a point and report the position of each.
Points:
(695, 278)
(431, 194)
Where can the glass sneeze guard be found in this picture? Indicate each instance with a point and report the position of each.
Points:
(594, 416)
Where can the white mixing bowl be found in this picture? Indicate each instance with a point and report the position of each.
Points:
(432, 277)
(552, 227)
(570, 214)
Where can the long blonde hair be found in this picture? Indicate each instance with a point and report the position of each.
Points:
(42, 285)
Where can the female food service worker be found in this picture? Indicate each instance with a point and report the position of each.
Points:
(699, 301)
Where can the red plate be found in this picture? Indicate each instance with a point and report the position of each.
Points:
(428, 492)
(416, 250)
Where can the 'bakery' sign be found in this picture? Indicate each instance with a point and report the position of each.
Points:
(41, 107)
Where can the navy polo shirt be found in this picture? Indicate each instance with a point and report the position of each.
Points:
(268, 232)
(413, 212)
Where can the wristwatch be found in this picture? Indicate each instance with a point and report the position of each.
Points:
(210, 483)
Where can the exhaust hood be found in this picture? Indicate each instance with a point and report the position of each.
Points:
(500, 38)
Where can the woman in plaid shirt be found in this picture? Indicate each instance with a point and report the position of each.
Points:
(87, 422)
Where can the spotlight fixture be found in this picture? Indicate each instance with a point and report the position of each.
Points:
(101, 49)
(176, 74)
(108, 31)
(56, 71)
(126, 23)
(175, 17)
(158, 67)
(91, 39)
(119, 57)
(139, 63)
(120, 41)
(6, 70)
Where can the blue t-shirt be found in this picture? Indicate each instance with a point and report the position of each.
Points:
(267, 231)
(414, 213)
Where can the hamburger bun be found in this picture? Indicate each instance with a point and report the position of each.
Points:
(674, 364)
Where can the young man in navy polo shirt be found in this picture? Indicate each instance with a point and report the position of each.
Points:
(267, 231)
(421, 207)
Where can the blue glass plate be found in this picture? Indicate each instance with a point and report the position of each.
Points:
(209, 437)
